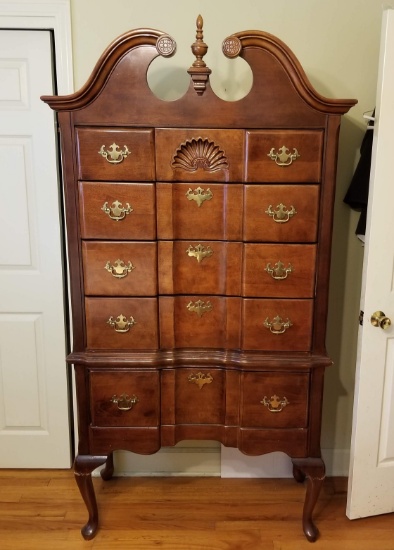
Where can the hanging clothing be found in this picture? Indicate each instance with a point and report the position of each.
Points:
(357, 193)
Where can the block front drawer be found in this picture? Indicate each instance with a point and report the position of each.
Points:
(199, 154)
(277, 325)
(120, 268)
(121, 323)
(124, 398)
(274, 400)
(118, 211)
(281, 213)
(114, 154)
(283, 156)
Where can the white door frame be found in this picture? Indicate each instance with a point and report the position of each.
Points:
(51, 15)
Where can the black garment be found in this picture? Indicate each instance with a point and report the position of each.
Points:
(357, 194)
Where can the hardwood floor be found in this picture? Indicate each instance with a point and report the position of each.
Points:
(43, 510)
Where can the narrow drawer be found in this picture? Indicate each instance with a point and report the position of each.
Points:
(284, 156)
(199, 211)
(200, 321)
(199, 155)
(279, 271)
(274, 400)
(281, 213)
(199, 396)
(200, 267)
(120, 268)
(118, 211)
(277, 325)
(116, 154)
(121, 323)
(125, 398)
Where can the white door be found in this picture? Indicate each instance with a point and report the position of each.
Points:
(34, 417)
(371, 479)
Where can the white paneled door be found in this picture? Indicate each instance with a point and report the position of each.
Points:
(34, 418)
(371, 480)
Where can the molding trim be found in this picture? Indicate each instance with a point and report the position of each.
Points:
(53, 15)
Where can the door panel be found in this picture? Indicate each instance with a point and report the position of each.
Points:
(34, 425)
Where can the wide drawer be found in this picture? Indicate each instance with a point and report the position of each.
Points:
(125, 398)
(274, 400)
(118, 211)
(200, 267)
(277, 325)
(279, 271)
(120, 268)
(199, 211)
(199, 155)
(199, 321)
(281, 213)
(121, 323)
(284, 156)
(116, 154)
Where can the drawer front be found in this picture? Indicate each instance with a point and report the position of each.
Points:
(120, 268)
(121, 323)
(277, 325)
(124, 398)
(199, 321)
(199, 211)
(199, 396)
(284, 156)
(116, 154)
(200, 267)
(279, 271)
(117, 211)
(274, 400)
(281, 213)
(199, 155)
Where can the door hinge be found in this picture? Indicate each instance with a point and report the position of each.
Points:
(361, 318)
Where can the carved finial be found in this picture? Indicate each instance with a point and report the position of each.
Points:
(199, 71)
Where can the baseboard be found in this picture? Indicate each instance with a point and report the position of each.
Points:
(209, 459)
(236, 464)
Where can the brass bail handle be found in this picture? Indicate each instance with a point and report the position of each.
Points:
(379, 319)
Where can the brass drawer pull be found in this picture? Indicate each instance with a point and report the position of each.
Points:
(114, 155)
(116, 212)
(277, 325)
(199, 195)
(199, 252)
(124, 402)
(199, 307)
(279, 271)
(200, 379)
(275, 404)
(281, 214)
(283, 157)
(119, 269)
(121, 323)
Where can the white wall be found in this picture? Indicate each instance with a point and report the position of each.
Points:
(337, 43)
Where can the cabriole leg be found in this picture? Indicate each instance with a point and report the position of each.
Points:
(313, 470)
(83, 468)
(108, 471)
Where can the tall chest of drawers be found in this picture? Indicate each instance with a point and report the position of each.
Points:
(199, 250)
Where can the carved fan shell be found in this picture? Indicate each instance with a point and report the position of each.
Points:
(199, 153)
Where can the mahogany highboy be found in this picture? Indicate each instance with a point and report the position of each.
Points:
(199, 250)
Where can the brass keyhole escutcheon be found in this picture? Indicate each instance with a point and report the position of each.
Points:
(379, 319)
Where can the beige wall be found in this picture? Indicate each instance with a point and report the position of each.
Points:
(337, 42)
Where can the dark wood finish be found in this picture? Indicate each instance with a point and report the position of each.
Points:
(299, 228)
(203, 197)
(140, 280)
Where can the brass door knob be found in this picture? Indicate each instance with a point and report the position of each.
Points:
(379, 319)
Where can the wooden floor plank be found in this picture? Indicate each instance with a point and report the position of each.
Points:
(43, 510)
